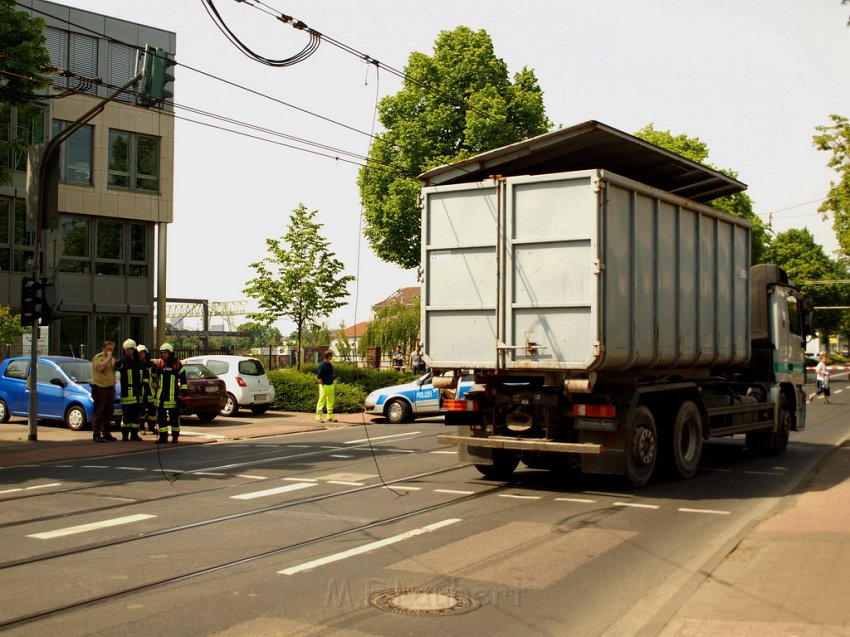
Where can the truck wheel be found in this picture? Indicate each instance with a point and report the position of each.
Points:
(779, 439)
(502, 468)
(641, 447)
(397, 411)
(686, 448)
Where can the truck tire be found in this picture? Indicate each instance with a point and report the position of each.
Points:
(779, 439)
(504, 463)
(641, 447)
(686, 440)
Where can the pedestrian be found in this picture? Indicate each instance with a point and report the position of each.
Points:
(148, 420)
(131, 370)
(417, 362)
(103, 392)
(172, 386)
(822, 380)
(325, 378)
(398, 358)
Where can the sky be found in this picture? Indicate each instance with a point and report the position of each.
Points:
(751, 78)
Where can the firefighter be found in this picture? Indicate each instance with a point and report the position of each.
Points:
(130, 368)
(172, 387)
(148, 390)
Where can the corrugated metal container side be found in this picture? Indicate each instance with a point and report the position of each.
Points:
(581, 271)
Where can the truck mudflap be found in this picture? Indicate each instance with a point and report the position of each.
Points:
(521, 444)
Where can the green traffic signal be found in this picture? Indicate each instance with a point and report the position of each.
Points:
(156, 75)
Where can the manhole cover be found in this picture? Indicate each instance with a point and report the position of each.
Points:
(423, 601)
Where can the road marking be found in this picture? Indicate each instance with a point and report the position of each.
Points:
(362, 440)
(635, 505)
(519, 497)
(708, 511)
(209, 473)
(453, 492)
(347, 484)
(398, 488)
(275, 491)
(306, 566)
(82, 528)
(298, 446)
(579, 500)
(453, 453)
(404, 451)
(248, 476)
(339, 455)
(94, 466)
(301, 479)
(131, 468)
(38, 486)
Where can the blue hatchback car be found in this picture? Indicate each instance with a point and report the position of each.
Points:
(417, 399)
(64, 390)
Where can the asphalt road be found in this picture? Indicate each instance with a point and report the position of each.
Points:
(371, 531)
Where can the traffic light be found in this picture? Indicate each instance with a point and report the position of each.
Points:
(32, 300)
(49, 303)
(156, 75)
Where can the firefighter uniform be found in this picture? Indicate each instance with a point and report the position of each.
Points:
(148, 390)
(172, 386)
(130, 369)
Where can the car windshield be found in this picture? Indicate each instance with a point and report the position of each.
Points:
(251, 367)
(78, 371)
(197, 372)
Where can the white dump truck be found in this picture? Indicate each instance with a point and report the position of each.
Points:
(611, 320)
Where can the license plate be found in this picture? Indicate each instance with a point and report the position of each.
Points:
(211, 389)
(259, 396)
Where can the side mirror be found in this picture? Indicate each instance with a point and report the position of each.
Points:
(57, 381)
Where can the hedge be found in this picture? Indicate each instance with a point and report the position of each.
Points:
(368, 379)
(298, 391)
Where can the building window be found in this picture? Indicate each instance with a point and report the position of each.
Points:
(75, 154)
(109, 256)
(5, 248)
(120, 67)
(107, 328)
(76, 53)
(21, 126)
(22, 251)
(73, 336)
(138, 250)
(75, 233)
(138, 329)
(133, 161)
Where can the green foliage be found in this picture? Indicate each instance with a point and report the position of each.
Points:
(259, 335)
(738, 204)
(301, 278)
(343, 344)
(298, 391)
(804, 260)
(836, 140)
(369, 379)
(10, 325)
(393, 324)
(454, 104)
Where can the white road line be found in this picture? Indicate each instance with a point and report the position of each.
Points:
(132, 468)
(398, 488)
(298, 446)
(82, 528)
(519, 497)
(579, 500)
(38, 486)
(306, 566)
(275, 491)
(300, 480)
(362, 440)
(708, 511)
(404, 451)
(347, 484)
(248, 476)
(452, 453)
(208, 473)
(635, 505)
(94, 466)
(339, 455)
(453, 492)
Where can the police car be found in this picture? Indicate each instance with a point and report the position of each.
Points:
(417, 399)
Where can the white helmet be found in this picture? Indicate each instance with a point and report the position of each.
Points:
(142, 348)
(129, 344)
(167, 347)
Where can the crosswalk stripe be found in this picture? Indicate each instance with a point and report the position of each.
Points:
(93, 526)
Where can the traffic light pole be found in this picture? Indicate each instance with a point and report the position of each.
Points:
(51, 154)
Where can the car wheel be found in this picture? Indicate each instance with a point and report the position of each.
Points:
(75, 418)
(231, 407)
(4, 411)
(397, 411)
(206, 416)
(259, 409)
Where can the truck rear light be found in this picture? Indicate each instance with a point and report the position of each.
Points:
(595, 411)
(454, 404)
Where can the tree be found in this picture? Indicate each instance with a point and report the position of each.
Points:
(301, 278)
(343, 344)
(10, 325)
(836, 139)
(261, 334)
(738, 204)
(804, 260)
(23, 58)
(394, 323)
(455, 104)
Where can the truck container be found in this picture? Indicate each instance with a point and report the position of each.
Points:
(608, 322)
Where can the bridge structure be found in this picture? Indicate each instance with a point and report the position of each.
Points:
(230, 312)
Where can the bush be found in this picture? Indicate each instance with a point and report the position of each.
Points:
(298, 391)
(368, 379)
